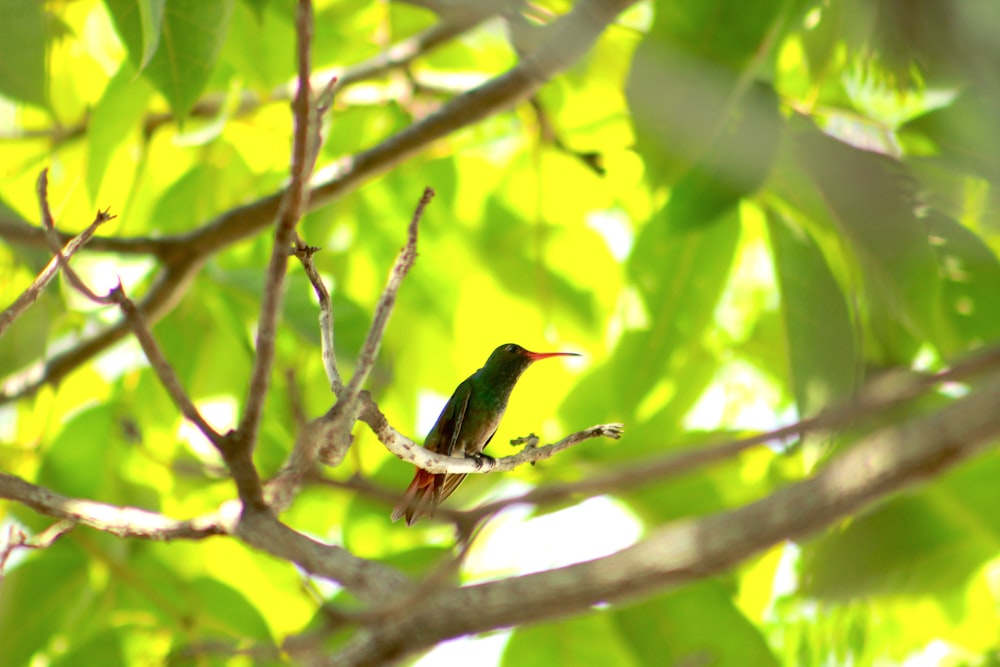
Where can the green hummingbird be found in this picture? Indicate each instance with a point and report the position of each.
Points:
(467, 424)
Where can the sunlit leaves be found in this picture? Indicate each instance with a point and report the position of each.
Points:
(121, 108)
(729, 121)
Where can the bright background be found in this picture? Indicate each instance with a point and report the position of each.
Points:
(737, 217)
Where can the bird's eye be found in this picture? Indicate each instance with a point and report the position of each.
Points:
(511, 348)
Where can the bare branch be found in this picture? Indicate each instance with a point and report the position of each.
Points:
(293, 206)
(114, 519)
(340, 419)
(164, 371)
(48, 224)
(166, 291)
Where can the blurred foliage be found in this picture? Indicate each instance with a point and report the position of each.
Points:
(790, 199)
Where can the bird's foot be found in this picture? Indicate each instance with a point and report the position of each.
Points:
(481, 459)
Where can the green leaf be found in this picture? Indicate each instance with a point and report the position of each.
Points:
(32, 607)
(210, 186)
(151, 22)
(908, 546)
(258, 47)
(970, 276)
(586, 640)
(964, 133)
(220, 363)
(820, 43)
(697, 625)
(83, 459)
(504, 248)
(104, 648)
(258, 7)
(117, 113)
(228, 610)
(681, 277)
(825, 363)
(687, 86)
(28, 337)
(23, 73)
(870, 196)
(192, 35)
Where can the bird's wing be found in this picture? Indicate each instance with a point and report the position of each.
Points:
(489, 438)
(444, 437)
(460, 403)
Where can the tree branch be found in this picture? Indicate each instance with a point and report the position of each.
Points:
(293, 206)
(372, 582)
(62, 255)
(114, 519)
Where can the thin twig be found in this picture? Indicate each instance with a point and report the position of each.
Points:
(305, 253)
(158, 362)
(31, 294)
(48, 224)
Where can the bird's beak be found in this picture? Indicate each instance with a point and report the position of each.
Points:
(535, 356)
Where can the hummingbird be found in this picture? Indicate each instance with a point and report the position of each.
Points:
(467, 424)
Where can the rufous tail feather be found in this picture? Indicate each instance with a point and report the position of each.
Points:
(419, 499)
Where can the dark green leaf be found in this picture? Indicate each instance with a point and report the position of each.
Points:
(908, 546)
(228, 611)
(697, 625)
(687, 86)
(32, 607)
(587, 640)
(505, 247)
(83, 459)
(871, 199)
(680, 277)
(825, 363)
(104, 648)
(970, 279)
(23, 73)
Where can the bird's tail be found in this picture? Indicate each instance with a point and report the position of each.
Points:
(420, 497)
